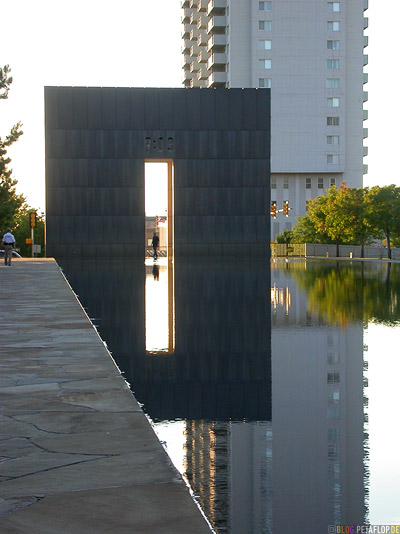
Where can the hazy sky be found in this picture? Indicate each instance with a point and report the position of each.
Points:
(138, 43)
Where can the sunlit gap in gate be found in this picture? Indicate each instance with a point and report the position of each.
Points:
(159, 252)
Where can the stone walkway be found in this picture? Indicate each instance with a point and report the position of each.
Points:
(77, 453)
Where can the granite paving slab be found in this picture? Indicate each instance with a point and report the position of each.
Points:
(77, 453)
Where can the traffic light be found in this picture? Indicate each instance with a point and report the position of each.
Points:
(273, 208)
(32, 219)
(286, 208)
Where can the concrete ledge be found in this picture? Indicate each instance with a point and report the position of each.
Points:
(77, 453)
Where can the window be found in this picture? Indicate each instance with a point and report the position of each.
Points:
(308, 183)
(264, 25)
(333, 45)
(273, 184)
(334, 26)
(333, 83)
(332, 6)
(333, 358)
(286, 183)
(333, 378)
(332, 139)
(333, 433)
(333, 102)
(332, 121)
(332, 64)
(264, 6)
(320, 183)
(264, 44)
(264, 83)
(333, 181)
(264, 63)
(332, 158)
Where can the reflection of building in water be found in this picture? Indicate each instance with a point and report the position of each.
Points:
(228, 466)
(317, 416)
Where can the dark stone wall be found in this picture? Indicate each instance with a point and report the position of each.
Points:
(97, 140)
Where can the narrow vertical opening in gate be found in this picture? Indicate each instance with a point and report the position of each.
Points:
(156, 206)
(159, 281)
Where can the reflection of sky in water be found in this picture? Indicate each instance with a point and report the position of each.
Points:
(156, 295)
(383, 373)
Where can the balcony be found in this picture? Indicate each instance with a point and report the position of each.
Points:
(194, 67)
(185, 32)
(216, 79)
(365, 151)
(216, 59)
(193, 4)
(203, 56)
(193, 18)
(365, 114)
(202, 6)
(216, 43)
(365, 5)
(365, 59)
(365, 23)
(202, 74)
(202, 22)
(216, 7)
(365, 169)
(186, 46)
(365, 41)
(365, 77)
(216, 24)
(194, 33)
(365, 133)
(186, 61)
(194, 51)
(365, 96)
(184, 3)
(185, 17)
(202, 39)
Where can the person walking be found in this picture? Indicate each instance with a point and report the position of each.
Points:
(9, 244)
(155, 241)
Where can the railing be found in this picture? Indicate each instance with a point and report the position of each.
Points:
(287, 250)
(319, 250)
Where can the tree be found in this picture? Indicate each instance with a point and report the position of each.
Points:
(23, 230)
(285, 236)
(384, 212)
(10, 201)
(328, 215)
(356, 211)
(305, 231)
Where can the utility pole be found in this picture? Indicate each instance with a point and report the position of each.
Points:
(32, 220)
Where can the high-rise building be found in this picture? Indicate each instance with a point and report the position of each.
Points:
(310, 54)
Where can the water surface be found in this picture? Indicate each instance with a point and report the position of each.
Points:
(260, 384)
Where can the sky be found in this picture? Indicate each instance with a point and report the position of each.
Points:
(130, 43)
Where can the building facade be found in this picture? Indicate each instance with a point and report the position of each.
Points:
(310, 53)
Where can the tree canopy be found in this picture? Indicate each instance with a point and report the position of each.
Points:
(353, 216)
(10, 201)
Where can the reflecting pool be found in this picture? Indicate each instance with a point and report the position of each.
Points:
(273, 388)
